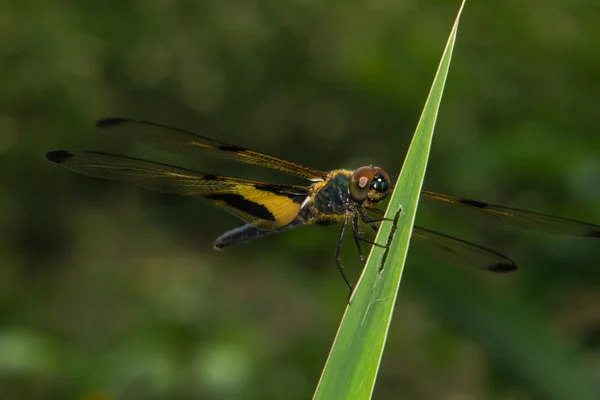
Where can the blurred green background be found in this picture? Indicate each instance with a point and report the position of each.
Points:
(111, 292)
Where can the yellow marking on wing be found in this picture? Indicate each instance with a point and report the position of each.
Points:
(170, 179)
(284, 209)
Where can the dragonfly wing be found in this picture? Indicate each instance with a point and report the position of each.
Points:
(455, 250)
(521, 218)
(176, 140)
(264, 205)
(460, 251)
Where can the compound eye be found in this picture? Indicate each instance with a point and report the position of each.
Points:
(381, 181)
(361, 182)
(380, 186)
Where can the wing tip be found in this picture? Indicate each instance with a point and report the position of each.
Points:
(58, 156)
(109, 121)
(594, 233)
(503, 267)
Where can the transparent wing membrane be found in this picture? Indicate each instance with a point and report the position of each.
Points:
(460, 251)
(455, 250)
(521, 218)
(176, 140)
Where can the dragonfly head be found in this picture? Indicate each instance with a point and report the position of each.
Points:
(369, 183)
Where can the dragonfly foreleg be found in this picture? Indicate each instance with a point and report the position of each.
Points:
(338, 254)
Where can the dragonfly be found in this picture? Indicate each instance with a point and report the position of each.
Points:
(341, 196)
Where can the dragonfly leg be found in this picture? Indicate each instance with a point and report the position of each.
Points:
(362, 239)
(370, 220)
(358, 238)
(338, 254)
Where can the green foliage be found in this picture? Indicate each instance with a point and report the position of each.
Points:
(107, 289)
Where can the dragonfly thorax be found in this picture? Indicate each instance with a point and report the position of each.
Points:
(333, 197)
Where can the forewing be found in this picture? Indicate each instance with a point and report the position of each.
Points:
(176, 140)
(267, 206)
(521, 218)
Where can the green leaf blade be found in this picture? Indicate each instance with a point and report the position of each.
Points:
(353, 363)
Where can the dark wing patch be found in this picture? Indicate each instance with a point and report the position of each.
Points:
(58, 156)
(474, 203)
(594, 234)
